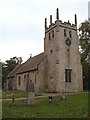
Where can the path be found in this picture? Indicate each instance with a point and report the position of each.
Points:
(45, 95)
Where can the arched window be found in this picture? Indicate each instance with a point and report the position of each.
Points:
(70, 34)
(65, 32)
(52, 33)
(25, 79)
(49, 36)
(19, 81)
(68, 75)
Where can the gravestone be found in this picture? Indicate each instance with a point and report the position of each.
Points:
(31, 95)
(63, 95)
(31, 98)
(30, 86)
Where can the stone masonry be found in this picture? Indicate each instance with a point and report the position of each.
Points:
(59, 67)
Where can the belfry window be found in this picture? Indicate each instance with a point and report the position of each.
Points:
(49, 36)
(52, 33)
(65, 32)
(68, 75)
(70, 34)
(19, 80)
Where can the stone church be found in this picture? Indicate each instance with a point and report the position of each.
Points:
(58, 67)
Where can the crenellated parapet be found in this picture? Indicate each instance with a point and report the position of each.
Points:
(60, 23)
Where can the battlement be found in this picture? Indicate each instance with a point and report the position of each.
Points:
(60, 23)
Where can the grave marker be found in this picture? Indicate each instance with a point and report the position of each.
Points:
(31, 95)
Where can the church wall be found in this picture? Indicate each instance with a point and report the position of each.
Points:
(11, 83)
(42, 76)
(51, 72)
(15, 84)
(21, 82)
(38, 77)
(33, 77)
(50, 51)
(75, 63)
(70, 59)
(63, 57)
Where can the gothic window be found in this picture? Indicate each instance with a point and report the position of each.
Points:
(28, 77)
(25, 78)
(68, 75)
(49, 36)
(52, 33)
(19, 80)
(64, 32)
(70, 34)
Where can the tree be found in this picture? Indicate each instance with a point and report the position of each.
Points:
(8, 66)
(84, 38)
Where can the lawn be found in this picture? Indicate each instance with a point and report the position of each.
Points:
(75, 106)
(18, 94)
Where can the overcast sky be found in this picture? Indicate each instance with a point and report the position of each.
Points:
(22, 23)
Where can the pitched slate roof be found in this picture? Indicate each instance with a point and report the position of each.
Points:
(31, 64)
(13, 72)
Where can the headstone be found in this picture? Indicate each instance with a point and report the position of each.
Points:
(30, 87)
(63, 95)
(31, 95)
(31, 98)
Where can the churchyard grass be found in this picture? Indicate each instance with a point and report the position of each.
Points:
(18, 94)
(75, 106)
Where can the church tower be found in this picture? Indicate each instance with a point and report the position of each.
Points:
(64, 69)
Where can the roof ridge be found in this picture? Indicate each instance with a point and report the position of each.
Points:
(16, 67)
(31, 63)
